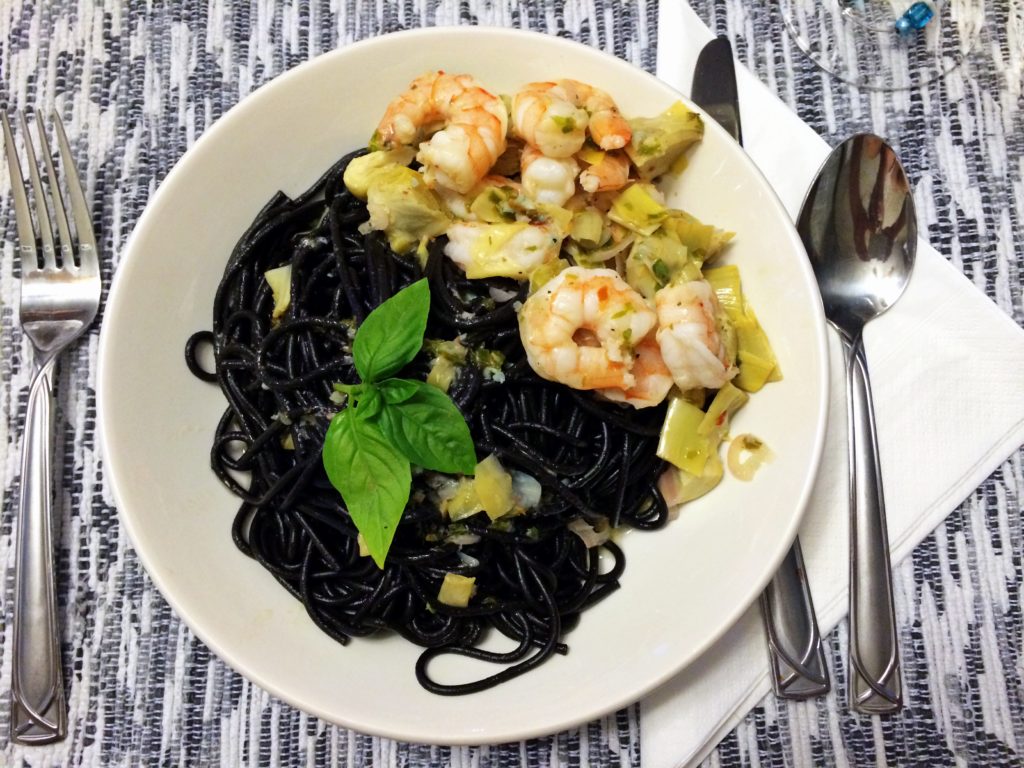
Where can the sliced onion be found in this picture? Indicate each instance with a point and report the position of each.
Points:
(590, 537)
(746, 454)
(445, 487)
(668, 484)
(500, 295)
(468, 560)
(526, 490)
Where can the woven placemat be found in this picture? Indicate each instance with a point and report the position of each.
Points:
(136, 84)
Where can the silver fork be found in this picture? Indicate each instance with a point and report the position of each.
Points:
(60, 293)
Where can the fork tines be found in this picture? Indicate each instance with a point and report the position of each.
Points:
(41, 246)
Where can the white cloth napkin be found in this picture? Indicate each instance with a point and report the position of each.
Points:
(947, 369)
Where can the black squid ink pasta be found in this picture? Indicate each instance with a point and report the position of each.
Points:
(534, 576)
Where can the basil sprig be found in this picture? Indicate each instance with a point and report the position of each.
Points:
(389, 424)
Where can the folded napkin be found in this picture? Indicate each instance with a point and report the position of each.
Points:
(947, 369)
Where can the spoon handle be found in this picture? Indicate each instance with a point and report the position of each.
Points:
(874, 668)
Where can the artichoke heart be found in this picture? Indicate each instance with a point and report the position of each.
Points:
(404, 208)
(659, 141)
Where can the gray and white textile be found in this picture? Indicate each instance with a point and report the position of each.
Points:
(137, 83)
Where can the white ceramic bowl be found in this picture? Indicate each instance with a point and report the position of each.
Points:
(683, 586)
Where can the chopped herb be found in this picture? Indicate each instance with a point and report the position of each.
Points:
(661, 271)
(649, 147)
(565, 124)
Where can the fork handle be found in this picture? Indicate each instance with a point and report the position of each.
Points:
(38, 708)
(795, 649)
(874, 672)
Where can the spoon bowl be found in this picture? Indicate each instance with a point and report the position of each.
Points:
(859, 229)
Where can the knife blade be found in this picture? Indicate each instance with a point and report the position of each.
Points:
(794, 642)
(714, 86)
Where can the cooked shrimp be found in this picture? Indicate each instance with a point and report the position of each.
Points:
(688, 336)
(551, 124)
(548, 180)
(609, 173)
(580, 328)
(502, 250)
(608, 128)
(653, 378)
(473, 124)
(555, 117)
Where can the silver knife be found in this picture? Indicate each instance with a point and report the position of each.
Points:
(794, 643)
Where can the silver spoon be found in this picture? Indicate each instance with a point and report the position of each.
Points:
(860, 232)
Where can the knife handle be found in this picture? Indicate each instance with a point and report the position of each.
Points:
(795, 649)
(874, 664)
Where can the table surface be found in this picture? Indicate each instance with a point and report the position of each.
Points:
(137, 83)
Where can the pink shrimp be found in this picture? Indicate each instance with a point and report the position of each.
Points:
(609, 173)
(465, 123)
(653, 378)
(578, 329)
(688, 335)
(555, 117)
(550, 180)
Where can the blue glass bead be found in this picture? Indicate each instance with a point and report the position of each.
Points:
(917, 17)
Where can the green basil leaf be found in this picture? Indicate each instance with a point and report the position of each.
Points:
(398, 390)
(429, 430)
(372, 477)
(392, 335)
(369, 402)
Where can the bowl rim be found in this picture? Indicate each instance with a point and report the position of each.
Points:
(130, 257)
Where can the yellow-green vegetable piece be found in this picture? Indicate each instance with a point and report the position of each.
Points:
(657, 260)
(681, 442)
(725, 282)
(545, 272)
(743, 335)
(755, 357)
(489, 253)
(493, 487)
(454, 350)
(704, 241)
(727, 333)
(488, 359)
(681, 486)
(495, 204)
(637, 208)
(464, 502)
(727, 401)
(442, 373)
(588, 228)
(361, 169)
(590, 154)
(694, 396)
(456, 590)
(659, 141)
(280, 281)
(754, 371)
(752, 337)
(448, 357)
(559, 217)
(404, 207)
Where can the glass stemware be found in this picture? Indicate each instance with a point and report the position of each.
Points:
(885, 44)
